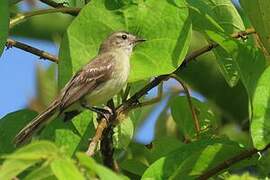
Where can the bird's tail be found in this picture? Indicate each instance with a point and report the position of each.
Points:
(37, 123)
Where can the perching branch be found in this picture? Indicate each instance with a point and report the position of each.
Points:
(42, 54)
(107, 149)
(229, 162)
(106, 145)
(21, 17)
(133, 101)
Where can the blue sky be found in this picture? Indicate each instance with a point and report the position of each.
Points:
(17, 75)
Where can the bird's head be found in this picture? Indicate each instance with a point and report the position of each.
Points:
(120, 40)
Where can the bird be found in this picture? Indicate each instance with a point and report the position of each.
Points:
(93, 85)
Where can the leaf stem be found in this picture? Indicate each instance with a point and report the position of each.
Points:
(193, 112)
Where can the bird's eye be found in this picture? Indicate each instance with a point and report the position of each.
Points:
(124, 36)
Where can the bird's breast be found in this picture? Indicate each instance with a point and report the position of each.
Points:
(118, 79)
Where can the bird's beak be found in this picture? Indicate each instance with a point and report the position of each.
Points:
(139, 40)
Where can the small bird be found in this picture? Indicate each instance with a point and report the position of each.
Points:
(96, 83)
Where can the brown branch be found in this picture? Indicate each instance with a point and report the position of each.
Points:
(53, 3)
(106, 145)
(107, 149)
(102, 125)
(227, 163)
(42, 54)
(59, 5)
(133, 101)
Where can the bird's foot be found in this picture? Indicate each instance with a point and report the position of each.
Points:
(105, 112)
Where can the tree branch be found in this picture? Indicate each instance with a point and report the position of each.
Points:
(107, 149)
(53, 3)
(123, 109)
(58, 5)
(227, 163)
(20, 17)
(42, 54)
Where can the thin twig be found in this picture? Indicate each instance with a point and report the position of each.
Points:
(227, 163)
(21, 17)
(132, 102)
(152, 100)
(193, 111)
(58, 5)
(42, 54)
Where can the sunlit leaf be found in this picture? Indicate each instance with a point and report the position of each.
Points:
(192, 159)
(123, 134)
(219, 16)
(43, 172)
(101, 171)
(258, 13)
(26, 157)
(260, 125)
(65, 169)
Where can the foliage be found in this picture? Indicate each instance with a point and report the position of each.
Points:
(232, 79)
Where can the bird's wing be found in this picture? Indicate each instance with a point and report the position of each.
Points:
(87, 79)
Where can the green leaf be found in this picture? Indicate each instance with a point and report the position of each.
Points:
(123, 134)
(218, 16)
(71, 135)
(204, 76)
(41, 173)
(226, 55)
(161, 53)
(65, 169)
(245, 176)
(251, 63)
(45, 27)
(4, 24)
(102, 172)
(163, 146)
(260, 125)
(215, 15)
(133, 166)
(26, 157)
(182, 115)
(10, 125)
(191, 160)
(258, 13)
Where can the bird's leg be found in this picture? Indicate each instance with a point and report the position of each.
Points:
(105, 112)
